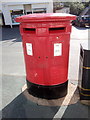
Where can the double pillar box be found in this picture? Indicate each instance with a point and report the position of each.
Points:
(46, 42)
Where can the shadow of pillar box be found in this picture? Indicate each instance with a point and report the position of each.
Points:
(84, 74)
(46, 40)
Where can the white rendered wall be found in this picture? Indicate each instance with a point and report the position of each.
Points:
(18, 4)
(7, 15)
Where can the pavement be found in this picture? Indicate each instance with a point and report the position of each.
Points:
(13, 103)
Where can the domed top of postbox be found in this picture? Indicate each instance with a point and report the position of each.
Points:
(46, 17)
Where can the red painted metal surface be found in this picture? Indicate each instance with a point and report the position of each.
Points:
(46, 41)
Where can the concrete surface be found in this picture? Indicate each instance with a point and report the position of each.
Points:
(12, 53)
(14, 104)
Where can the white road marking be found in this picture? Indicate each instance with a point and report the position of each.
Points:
(63, 108)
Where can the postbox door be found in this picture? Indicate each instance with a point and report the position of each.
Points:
(46, 57)
(56, 57)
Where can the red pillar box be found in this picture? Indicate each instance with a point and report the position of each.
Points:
(46, 41)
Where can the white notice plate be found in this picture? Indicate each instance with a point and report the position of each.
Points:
(29, 49)
(57, 49)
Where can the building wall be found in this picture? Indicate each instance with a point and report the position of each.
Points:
(6, 13)
(7, 7)
(27, 7)
(63, 10)
(39, 5)
(0, 6)
(15, 7)
(28, 1)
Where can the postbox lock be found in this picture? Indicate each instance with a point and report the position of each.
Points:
(57, 37)
(39, 57)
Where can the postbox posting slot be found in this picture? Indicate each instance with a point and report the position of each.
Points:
(57, 29)
(29, 30)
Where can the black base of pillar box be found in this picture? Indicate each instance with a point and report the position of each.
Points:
(47, 92)
(84, 83)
